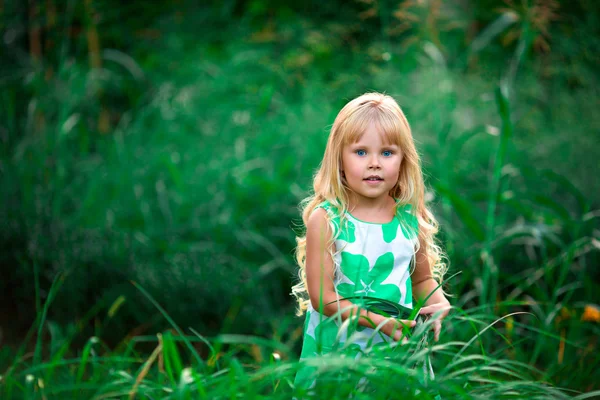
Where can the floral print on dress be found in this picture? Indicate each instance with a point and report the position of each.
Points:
(370, 260)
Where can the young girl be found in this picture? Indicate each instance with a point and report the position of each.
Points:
(368, 234)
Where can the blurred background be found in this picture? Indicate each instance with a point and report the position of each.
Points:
(168, 143)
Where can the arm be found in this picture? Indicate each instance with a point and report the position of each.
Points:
(320, 278)
(423, 284)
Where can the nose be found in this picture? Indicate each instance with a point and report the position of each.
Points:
(374, 162)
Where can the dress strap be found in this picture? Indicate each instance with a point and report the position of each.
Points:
(408, 220)
(333, 216)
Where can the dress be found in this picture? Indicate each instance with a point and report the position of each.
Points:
(370, 259)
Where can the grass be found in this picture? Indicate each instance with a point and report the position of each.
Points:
(184, 365)
(192, 192)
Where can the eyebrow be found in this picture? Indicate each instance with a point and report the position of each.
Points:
(385, 146)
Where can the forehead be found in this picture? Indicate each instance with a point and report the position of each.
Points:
(374, 133)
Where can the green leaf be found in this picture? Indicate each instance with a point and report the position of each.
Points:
(465, 210)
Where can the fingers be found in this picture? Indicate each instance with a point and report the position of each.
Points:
(408, 322)
(436, 323)
(434, 308)
(400, 337)
(437, 328)
(398, 331)
(426, 310)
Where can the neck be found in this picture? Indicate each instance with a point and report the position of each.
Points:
(374, 205)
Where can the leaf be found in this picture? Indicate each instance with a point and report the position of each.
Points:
(584, 205)
(380, 306)
(463, 209)
(492, 31)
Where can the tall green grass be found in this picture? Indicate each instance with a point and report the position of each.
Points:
(184, 364)
(192, 194)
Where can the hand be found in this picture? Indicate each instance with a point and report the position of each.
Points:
(432, 309)
(394, 328)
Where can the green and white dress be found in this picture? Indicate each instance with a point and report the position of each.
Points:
(370, 259)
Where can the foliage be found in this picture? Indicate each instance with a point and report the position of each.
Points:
(174, 156)
(182, 365)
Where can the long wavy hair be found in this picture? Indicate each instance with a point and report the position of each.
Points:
(329, 184)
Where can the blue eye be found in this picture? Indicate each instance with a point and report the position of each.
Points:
(361, 152)
(387, 153)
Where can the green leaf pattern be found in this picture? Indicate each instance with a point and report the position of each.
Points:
(367, 281)
(371, 260)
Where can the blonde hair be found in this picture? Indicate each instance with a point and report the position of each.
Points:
(328, 184)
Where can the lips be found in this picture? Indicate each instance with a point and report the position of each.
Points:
(373, 178)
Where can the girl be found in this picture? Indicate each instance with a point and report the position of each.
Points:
(368, 234)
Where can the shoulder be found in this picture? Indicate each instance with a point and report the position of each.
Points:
(318, 227)
(317, 219)
(330, 211)
(328, 207)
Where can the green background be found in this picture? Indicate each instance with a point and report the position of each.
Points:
(168, 144)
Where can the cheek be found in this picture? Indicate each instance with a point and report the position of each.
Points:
(395, 168)
(350, 162)
(344, 162)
